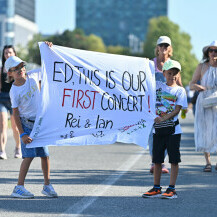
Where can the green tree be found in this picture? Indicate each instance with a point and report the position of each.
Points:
(180, 41)
(74, 39)
(33, 49)
(22, 52)
(118, 50)
(95, 43)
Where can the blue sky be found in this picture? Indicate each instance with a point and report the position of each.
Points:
(195, 17)
(55, 15)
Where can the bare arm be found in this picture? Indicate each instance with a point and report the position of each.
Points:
(16, 115)
(197, 77)
(26, 139)
(169, 116)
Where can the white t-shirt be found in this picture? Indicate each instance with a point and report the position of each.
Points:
(166, 100)
(26, 97)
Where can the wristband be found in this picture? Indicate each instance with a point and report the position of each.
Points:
(21, 135)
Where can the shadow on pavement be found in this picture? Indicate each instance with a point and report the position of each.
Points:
(110, 206)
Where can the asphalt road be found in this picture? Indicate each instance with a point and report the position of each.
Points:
(108, 181)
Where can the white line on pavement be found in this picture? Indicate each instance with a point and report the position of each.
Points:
(76, 209)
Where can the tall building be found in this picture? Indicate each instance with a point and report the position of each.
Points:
(17, 22)
(118, 22)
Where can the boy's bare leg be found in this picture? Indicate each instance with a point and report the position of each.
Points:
(45, 165)
(24, 169)
(174, 173)
(157, 173)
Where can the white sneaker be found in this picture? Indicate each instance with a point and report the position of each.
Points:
(21, 192)
(3, 155)
(49, 191)
(17, 153)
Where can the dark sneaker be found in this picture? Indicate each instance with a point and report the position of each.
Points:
(169, 194)
(153, 193)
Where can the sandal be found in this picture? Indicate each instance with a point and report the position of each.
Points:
(207, 168)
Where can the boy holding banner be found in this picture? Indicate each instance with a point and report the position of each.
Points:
(24, 96)
(170, 98)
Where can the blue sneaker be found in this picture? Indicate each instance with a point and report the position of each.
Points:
(49, 191)
(21, 192)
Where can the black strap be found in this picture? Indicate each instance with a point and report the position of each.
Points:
(176, 122)
(30, 121)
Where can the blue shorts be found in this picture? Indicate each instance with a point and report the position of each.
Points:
(32, 152)
(5, 107)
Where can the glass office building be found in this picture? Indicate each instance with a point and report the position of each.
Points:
(116, 21)
(17, 22)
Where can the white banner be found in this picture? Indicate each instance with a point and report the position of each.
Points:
(93, 98)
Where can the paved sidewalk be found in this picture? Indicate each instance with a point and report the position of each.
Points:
(108, 181)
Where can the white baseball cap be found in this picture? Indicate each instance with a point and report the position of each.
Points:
(170, 64)
(12, 61)
(213, 44)
(164, 39)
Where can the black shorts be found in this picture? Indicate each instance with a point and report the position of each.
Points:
(171, 143)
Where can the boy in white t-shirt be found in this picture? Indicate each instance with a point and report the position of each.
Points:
(170, 98)
(24, 96)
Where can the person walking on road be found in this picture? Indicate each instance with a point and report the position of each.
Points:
(24, 96)
(5, 106)
(170, 98)
(205, 124)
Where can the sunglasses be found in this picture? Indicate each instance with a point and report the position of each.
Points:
(164, 45)
(17, 69)
(212, 50)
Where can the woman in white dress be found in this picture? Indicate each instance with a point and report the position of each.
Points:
(206, 117)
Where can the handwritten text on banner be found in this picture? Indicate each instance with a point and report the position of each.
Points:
(93, 98)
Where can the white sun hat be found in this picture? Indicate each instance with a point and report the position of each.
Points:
(164, 39)
(12, 61)
(213, 44)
